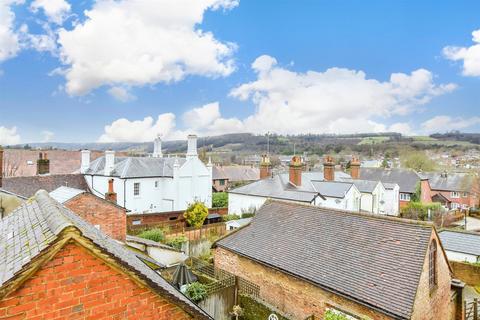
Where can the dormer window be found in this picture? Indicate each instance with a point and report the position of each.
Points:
(432, 265)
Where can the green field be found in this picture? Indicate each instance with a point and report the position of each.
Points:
(374, 140)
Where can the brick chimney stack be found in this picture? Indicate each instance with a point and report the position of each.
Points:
(355, 167)
(328, 168)
(425, 191)
(111, 195)
(43, 164)
(265, 167)
(295, 171)
(1, 166)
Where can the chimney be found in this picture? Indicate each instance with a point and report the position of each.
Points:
(328, 168)
(295, 171)
(157, 147)
(425, 191)
(192, 146)
(1, 166)
(43, 164)
(355, 168)
(265, 167)
(111, 195)
(85, 158)
(109, 162)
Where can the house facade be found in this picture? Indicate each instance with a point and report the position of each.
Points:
(225, 177)
(154, 184)
(67, 268)
(323, 259)
(456, 191)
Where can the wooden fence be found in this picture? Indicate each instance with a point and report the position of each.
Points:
(471, 310)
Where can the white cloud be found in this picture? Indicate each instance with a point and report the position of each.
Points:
(469, 55)
(121, 94)
(334, 101)
(9, 43)
(55, 10)
(401, 127)
(47, 136)
(155, 41)
(447, 123)
(9, 136)
(202, 117)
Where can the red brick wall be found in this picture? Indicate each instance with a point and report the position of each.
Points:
(112, 219)
(469, 200)
(77, 285)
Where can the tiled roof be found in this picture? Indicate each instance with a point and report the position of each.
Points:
(32, 228)
(450, 181)
(236, 173)
(63, 194)
(462, 242)
(27, 186)
(373, 260)
(407, 179)
(136, 167)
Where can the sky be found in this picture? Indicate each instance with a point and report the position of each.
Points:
(129, 70)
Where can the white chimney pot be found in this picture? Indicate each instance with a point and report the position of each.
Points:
(157, 148)
(192, 146)
(85, 158)
(109, 162)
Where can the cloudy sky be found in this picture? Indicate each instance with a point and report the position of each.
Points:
(128, 70)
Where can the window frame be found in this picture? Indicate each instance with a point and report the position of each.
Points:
(136, 189)
(454, 194)
(405, 196)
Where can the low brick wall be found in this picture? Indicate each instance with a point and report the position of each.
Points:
(466, 272)
(173, 219)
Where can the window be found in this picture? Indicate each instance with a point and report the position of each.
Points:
(136, 222)
(432, 265)
(404, 196)
(172, 218)
(455, 205)
(455, 194)
(222, 182)
(465, 194)
(156, 184)
(136, 189)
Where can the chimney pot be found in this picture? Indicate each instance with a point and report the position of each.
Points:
(355, 167)
(109, 162)
(157, 147)
(85, 161)
(328, 168)
(265, 167)
(111, 195)
(43, 164)
(295, 171)
(192, 146)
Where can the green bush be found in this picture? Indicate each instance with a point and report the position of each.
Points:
(419, 211)
(230, 217)
(177, 241)
(196, 291)
(247, 215)
(196, 214)
(219, 200)
(332, 315)
(156, 234)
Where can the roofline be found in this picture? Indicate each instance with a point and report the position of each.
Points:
(125, 178)
(100, 198)
(279, 199)
(13, 194)
(386, 312)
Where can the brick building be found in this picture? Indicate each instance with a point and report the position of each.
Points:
(54, 265)
(103, 214)
(307, 259)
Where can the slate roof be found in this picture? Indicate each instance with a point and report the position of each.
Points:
(332, 189)
(450, 182)
(407, 179)
(136, 167)
(27, 186)
(63, 194)
(365, 186)
(236, 173)
(376, 261)
(277, 187)
(463, 242)
(29, 230)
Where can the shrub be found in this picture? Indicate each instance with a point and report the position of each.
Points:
(247, 215)
(177, 242)
(220, 200)
(230, 217)
(196, 214)
(156, 234)
(419, 211)
(196, 291)
(333, 315)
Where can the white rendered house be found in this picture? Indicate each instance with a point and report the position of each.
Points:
(151, 184)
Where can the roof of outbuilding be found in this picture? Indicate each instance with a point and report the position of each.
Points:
(373, 260)
(236, 173)
(137, 167)
(31, 229)
(27, 186)
(63, 194)
(365, 186)
(463, 242)
(407, 179)
(332, 189)
(450, 181)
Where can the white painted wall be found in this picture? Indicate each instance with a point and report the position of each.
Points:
(392, 201)
(461, 257)
(240, 203)
(372, 202)
(191, 182)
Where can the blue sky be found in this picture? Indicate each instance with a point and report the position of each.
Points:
(321, 66)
